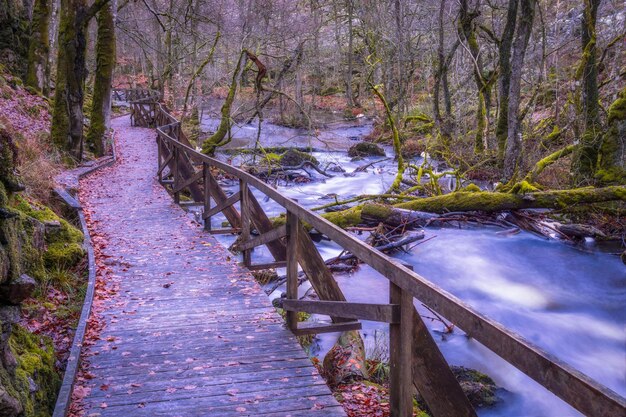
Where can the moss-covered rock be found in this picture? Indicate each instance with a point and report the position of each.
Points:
(36, 381)
(479, 388)
(64, 243)
(366, 149)
(294, 157)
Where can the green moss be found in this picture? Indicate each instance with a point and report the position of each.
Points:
(523, 187)
(611, 164)
(4, 197)
(66, 233)
(63, 255)
(64, 248)
(471, 188)
(617, 110)
(376, 211)
(346, 218)
(35, 358)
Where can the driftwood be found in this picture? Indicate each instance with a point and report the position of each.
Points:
(282, 169)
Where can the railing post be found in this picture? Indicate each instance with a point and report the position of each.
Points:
(400, 351)
(159, 156)
(245, 219)
(293, 230)
(176, 173)
(206, 173)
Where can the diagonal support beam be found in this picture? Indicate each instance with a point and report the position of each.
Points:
(263, 239)
(222, 206)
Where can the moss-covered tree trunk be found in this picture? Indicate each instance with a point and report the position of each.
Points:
(217, 139)
(504, 80)
(612, 160)
(105, 63)
(467, 31)
(67, 118)
(38, 72)
(586, 156)
(514, 136)
(415, 211)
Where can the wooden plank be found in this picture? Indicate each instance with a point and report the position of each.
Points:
(187, 182)
(267, 237)
(293, 231)
(176, 171)
(225, 231)
(386, 313)
(206, 171)
(305, 328)
(400, 353)
(318, 273)
(269, 265)
(263, 224)
(245, 220)
(219, 196)
(222, 206)
(432, 375)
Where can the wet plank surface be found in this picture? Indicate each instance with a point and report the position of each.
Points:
(179, 329)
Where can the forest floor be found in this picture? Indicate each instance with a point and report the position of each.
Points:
(177, 326)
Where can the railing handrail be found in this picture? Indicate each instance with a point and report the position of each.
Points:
(575, 388)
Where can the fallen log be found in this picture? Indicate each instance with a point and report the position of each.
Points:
(495, 201)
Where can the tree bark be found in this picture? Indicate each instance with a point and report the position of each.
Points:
(467, 31)
(38, 72)
(105, 64)
(67, 118)
(217, 139)
(514, 137)
(612, 160)
(504, 81)
(585, 159)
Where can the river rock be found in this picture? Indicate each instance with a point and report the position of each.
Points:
(366, 149)
(294, 157)
(479, 388)
(17, 290)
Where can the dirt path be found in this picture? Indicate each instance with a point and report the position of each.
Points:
(178, 328)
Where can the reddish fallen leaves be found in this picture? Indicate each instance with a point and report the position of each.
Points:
(361, 400)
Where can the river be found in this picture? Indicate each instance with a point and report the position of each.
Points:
(569, 302)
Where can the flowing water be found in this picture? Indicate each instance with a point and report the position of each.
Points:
(569, 302)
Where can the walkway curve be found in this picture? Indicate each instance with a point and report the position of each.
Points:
(179, 329)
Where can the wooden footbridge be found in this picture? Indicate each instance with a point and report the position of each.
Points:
(415, 359)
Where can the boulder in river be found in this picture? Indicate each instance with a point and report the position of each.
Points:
(294, 157)
(366, 149)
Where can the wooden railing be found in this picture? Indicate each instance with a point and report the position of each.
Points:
(414, 356)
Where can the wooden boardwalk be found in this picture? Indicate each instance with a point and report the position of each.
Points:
(187, 331)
